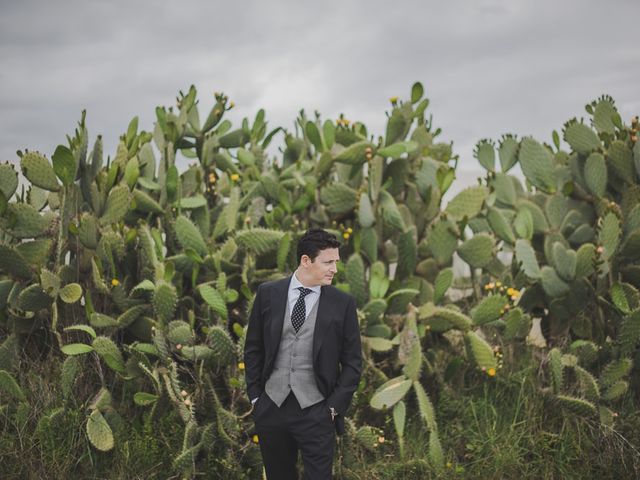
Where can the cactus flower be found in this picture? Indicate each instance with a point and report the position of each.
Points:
(178, 346)
(255, 439)
(241, 365)
(491, 372)
(393, 99)
(380, 439)
(184, 393)
(115, 282)
(346, 235)
(235, 177)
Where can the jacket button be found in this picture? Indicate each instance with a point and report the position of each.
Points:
(293, 369)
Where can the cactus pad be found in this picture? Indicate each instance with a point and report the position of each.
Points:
(355, 274)
(508, 152)
(37, 169)
(609, 234)
(259, 240)
(165, 299)
(407, 253)
(425, 407)
(99, 432)
(214, 299)
(179, 331)
(339, 198)
(616, 390)
(366, 217)
(478, 251)
(9, 385)
(578, 406)
(442, 241)
(24, 221)
(70, 293)
(145, 203)
(109, 352)
(490, 309)
(537, 165)
(595, 174)
(390, 213)
(552, 284)
(13, 263)
(8, 180)
(34, 298)
(189, 236)
(481, 351)
(615, 370)
(442, 284)
(224, 350)
(581, 138)
(467, 203)
(117, 205)
(602, 115)
(588, 384)
(391, 392)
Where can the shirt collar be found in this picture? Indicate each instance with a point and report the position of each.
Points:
(295, 283)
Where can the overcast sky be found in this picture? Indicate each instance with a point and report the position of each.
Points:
(488, 66)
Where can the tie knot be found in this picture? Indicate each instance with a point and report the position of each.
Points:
(304, 291)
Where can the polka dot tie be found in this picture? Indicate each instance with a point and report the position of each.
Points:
(299, 311)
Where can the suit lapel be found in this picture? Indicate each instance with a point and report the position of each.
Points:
(323, 320)
(279, 298)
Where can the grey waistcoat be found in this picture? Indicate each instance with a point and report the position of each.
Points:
(293, 366)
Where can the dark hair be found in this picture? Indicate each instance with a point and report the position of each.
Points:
(313, 241)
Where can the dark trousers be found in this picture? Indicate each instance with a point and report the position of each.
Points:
(285, 430)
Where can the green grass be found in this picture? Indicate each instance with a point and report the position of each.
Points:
(501, 427)
(504, 428)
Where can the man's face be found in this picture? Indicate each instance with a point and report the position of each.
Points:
(321, 270)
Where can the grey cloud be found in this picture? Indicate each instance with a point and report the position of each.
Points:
(489, 67)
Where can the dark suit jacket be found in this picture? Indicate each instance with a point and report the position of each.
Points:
(337, 354)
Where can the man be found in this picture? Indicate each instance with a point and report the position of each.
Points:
(303, 362)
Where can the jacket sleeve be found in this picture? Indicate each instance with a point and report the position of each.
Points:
(254, 348)
(350, 361)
